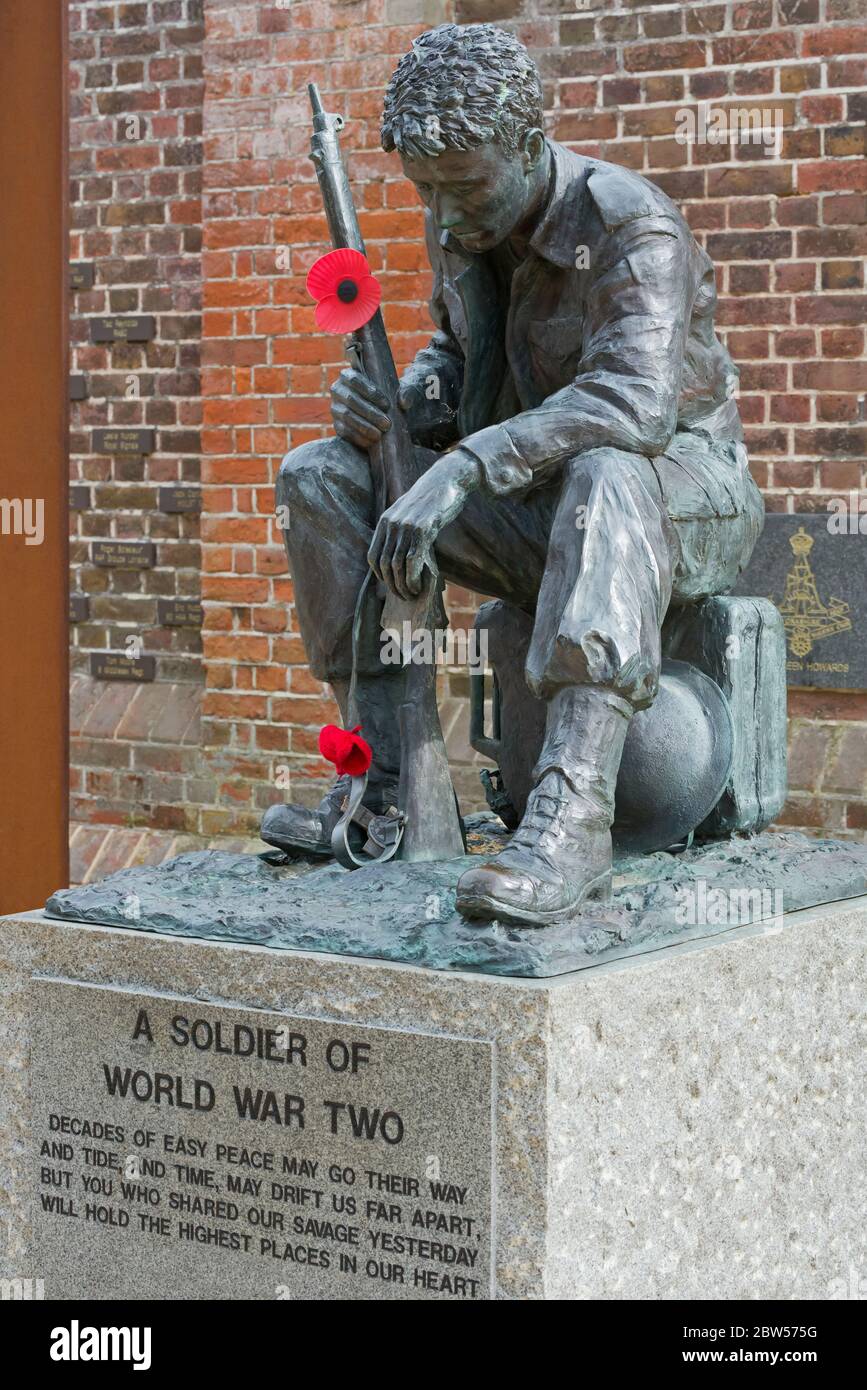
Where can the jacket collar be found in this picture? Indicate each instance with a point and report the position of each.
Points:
(556, 237)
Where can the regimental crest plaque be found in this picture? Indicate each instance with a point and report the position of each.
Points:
(813, 566)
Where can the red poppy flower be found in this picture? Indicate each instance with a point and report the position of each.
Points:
(347, 295)
(342, 747)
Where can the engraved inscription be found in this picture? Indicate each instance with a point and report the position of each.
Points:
(81, 275)
(123, 441)
(180, 498)
(179, 612)
(79, 497)
(123, 555)
(117, 666)
(123, 328)
(187, 1149)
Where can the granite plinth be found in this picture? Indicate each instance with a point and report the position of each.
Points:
(686, 1123)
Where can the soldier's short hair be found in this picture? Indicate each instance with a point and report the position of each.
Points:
(459, 87)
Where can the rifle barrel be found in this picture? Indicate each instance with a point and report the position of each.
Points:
(391, 457)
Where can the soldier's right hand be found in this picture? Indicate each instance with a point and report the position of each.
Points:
(358, 408)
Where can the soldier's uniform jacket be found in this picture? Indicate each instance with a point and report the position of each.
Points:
(607, 337)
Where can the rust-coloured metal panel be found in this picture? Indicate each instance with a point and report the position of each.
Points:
(34, 628)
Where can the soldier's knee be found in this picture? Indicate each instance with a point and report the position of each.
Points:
(607, 460)
(307, 472)
(299, 470)
(617, 466)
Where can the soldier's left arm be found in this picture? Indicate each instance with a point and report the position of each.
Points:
(626, 391)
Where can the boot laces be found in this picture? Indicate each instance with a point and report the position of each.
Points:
(550, 812)
(545, 810)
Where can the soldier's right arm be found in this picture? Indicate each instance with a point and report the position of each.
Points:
(430, 388)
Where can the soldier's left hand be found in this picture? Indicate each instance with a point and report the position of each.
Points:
(405, 536)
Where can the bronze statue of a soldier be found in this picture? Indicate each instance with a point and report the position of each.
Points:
(578, 454)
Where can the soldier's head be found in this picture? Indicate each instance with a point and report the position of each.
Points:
(464, 111)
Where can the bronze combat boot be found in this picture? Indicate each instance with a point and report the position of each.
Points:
(560, 855)
(305, 830)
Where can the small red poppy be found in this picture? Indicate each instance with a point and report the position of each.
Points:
(349, 753)
(347, 295)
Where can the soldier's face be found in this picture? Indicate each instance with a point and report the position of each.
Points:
(479, 195)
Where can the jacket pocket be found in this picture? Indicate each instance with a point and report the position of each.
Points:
(559, 338)
(555, 350)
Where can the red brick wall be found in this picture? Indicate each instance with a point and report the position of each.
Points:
(787, 234)
(135, 164)
(265, 373)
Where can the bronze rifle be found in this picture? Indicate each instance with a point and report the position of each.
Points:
(432, 827)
